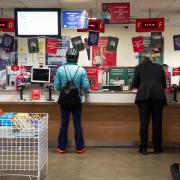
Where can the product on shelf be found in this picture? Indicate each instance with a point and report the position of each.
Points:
(5, 119)
(21, 121)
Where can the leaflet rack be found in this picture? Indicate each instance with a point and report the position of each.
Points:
(24, 145)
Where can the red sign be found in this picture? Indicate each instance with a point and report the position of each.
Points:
(36, 94)
(176, 71)
(19, 80)
(138, 44)
(168, 82)
(116, 13)
(7, 24)
(150, 25)
(15, 68)
(52, 46)
(96, 25)
(92, 74)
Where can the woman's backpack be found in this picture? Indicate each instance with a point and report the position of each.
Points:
(69, 97)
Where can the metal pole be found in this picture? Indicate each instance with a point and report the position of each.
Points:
(1, 12)
(149, 12)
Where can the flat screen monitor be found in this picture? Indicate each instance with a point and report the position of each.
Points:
(37, 22)
(75, 19)
(71, 18)
(40, 75)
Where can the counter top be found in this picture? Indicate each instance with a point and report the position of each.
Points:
(86, 103)
(92, 98)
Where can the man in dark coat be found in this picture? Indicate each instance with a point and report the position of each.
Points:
(150, 80)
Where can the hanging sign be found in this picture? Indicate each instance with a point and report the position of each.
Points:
(150, 25)
(7, 24)
(96, 25)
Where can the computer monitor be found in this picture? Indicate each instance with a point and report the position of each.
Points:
(40, 75)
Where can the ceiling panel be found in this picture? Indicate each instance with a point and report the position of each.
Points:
(76, 1)
(10, 3)
(78, 4)
(41, 3)
(152, 4)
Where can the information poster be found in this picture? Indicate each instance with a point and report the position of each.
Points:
(121, 76)
(156, 42)
(53, 71)
(92, 74)
(59, 58)
(112, 44)
(117, 76)
(93, 38)
(138, 44)
(157, 57)
(100, 56)
(2, 78)
(129, 75)
(116, 13)
(6, 59)
(33, 45)
(168, 82)
(77, 43)
(176, 41)
(31, 59)
(51, 46)
(8, 42)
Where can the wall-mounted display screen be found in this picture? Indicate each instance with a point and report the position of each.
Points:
(75, 19)
(40, 75)
(37, 22)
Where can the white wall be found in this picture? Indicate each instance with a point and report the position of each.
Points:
(125, 54)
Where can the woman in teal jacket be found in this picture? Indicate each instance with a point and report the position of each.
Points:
(81, 82)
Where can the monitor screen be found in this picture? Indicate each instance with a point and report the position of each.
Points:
(71, 19)
(37, 22)
(75, 19)
(40, 75)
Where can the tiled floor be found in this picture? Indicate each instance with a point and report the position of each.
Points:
(109, 164)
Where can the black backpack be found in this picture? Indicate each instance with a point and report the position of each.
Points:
(69, 95)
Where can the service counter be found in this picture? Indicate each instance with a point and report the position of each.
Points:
(109, 118)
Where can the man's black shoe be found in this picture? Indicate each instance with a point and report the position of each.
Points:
(158, 151)
(143, 151)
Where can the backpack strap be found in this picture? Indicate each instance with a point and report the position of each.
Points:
(74, 74)
(66, 73)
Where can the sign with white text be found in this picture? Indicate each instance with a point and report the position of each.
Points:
(150, 25)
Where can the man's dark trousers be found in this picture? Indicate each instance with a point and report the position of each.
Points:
(65, 116)
(153, 108)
